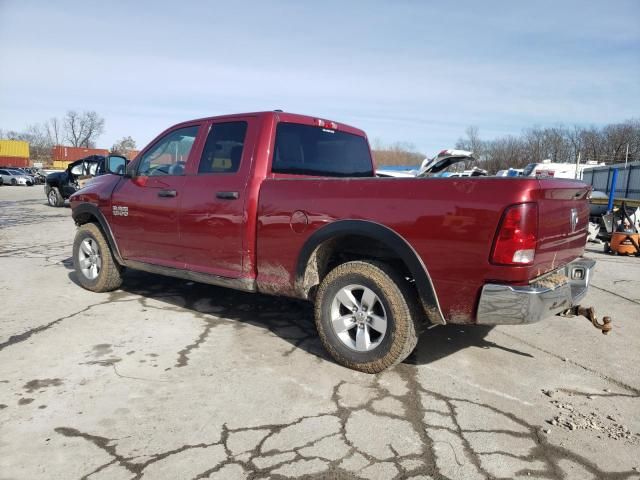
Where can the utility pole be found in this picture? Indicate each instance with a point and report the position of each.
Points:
(577, 176)
(626, 157)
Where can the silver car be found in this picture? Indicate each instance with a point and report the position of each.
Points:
(15, 177)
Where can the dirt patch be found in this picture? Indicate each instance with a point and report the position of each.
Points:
(34, 385)
(571, 418)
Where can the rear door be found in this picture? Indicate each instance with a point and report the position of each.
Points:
(145, 208)
(213, 223)
(563, 218)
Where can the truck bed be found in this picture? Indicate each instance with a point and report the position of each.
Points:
(450, 223)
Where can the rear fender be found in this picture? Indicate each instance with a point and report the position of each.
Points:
(307, 275)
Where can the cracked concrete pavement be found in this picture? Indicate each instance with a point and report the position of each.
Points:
(166, 378)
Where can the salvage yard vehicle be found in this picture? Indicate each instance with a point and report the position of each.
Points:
(59, 186)
(287, 204)
(15, 177)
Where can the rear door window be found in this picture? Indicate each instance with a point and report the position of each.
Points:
(309, 150)
(223, 149)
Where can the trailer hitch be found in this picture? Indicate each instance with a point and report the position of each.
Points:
(590, 314)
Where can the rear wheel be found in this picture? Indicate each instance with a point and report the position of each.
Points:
(96, 270)
(14, 182)
(54, 198)
(366, 316)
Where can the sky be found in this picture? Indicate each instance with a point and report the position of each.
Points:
(417, 72)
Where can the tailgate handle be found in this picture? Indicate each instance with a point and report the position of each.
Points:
(227, 195)
(167, 193)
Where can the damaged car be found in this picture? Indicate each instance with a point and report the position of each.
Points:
(59, 186)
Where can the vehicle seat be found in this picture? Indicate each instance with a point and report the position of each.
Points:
(236, 156)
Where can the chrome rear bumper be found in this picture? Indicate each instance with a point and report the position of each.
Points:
(543, 298)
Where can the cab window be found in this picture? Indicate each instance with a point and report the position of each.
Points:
(169, 155)
(223, 150)
(309, 150)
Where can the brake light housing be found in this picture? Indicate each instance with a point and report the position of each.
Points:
(517, 236)
(326, 124)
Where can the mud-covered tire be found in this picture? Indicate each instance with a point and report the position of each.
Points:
(109, 275)
(401, 311)
(54, 198)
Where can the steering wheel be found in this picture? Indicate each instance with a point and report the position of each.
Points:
(177, 168)
(161, 170)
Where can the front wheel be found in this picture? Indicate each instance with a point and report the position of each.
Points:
(54, 198)
(95, 267)
(366, 316)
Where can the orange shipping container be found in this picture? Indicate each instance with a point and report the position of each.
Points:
(71, 154)
(7, 161)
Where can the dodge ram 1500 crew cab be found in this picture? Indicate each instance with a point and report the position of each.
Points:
(289, 205)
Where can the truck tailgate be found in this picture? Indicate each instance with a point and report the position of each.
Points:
(563, 216)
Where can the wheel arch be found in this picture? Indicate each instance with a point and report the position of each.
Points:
(363, 239)
(90, 213)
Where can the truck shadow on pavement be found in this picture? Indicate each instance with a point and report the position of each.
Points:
(290, 319)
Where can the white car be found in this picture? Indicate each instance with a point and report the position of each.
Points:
(14, 177)
(436, 166)
(390, 173)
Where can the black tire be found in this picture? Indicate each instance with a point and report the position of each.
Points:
(14, 182)
(54, 198)
(401, 311)
(109, 275)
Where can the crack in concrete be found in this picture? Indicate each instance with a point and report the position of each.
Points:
(21, 337)
(614, 381)
(107, 446)
(614, 293)
(540, 451)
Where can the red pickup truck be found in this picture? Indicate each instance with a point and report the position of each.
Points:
(288, 204)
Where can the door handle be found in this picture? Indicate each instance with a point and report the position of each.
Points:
(167, 193)
(227, 195)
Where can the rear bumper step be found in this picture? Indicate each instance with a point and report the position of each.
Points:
(543, 298)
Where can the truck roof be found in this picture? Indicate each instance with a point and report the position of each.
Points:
(281, 116)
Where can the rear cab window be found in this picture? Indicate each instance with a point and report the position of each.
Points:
(316, 151)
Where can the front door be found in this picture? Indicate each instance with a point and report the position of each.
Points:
(145, 208)
(213, 220)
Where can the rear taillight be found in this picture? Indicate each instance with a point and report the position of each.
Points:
(515, 242)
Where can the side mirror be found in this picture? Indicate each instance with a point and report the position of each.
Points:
(116, 164)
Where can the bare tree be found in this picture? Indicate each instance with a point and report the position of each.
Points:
(124, 146)
(473, 143)
(54, 130)
(397, 154)
(82, 130)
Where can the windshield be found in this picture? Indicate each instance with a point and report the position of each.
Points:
(528, 169)
(308, 150)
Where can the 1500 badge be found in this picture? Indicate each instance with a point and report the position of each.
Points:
(120, 211)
